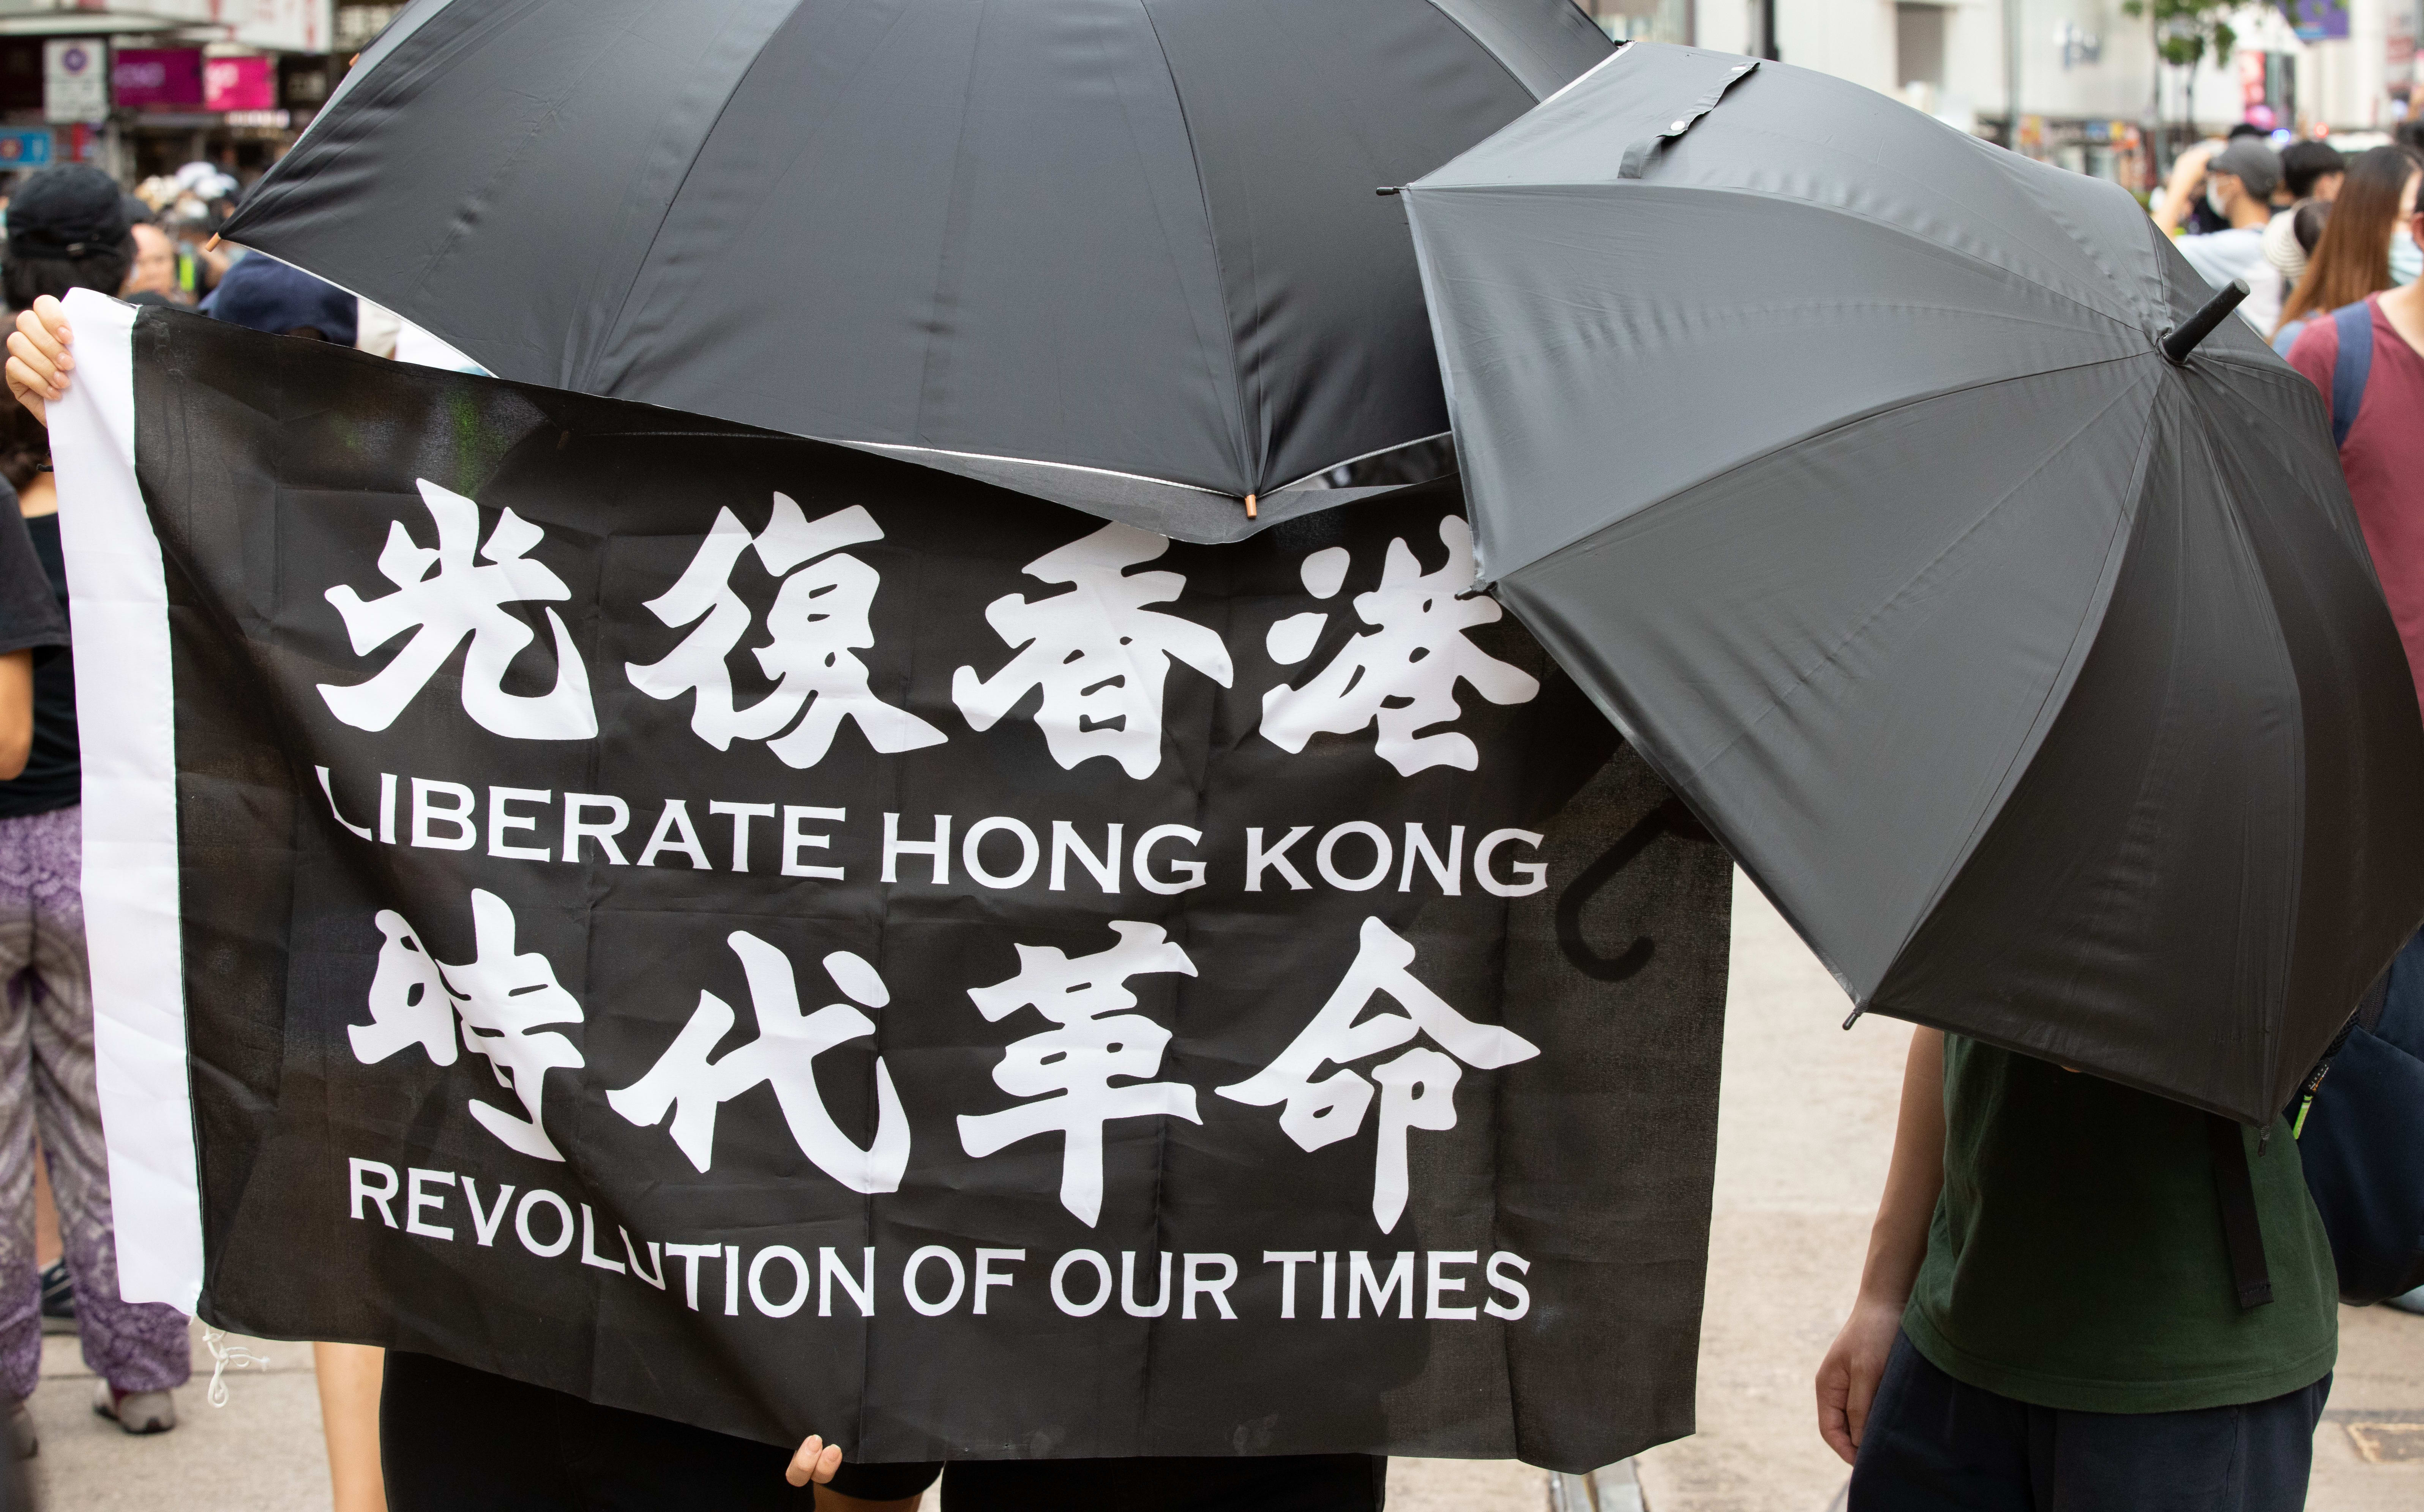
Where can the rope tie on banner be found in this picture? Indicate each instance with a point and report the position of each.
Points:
(1637, 157)
(233, 1357)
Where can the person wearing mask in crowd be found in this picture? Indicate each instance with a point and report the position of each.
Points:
(2238, 185)
(2182, 202)
(2353, 257)
(67, 229)
(2311, 173)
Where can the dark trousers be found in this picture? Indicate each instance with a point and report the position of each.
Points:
(456, 1440)
(1933, 1444)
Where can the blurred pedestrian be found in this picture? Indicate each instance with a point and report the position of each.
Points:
(2312, 170)
(153, 272)
(2311, 174)
(2367, 360)
(2058, 1310)
(2292, 256)
(2351, 259)
(2238, 185)
(67, 229)
(2182, 202)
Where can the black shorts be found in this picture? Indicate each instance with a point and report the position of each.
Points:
(456, 1440)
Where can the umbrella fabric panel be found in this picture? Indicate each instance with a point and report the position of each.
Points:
(1583, 322)
(1296, 118)
(576, 116)
(1802, 135)
(867, 219)
(1815, 647)
(2128, 908)
(2361, 876)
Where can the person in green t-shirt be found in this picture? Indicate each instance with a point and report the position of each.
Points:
(2049, 1315)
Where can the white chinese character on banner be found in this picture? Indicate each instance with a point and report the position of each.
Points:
(505, 999)
(1097, 1040)
(1401, 675)
(1417, 1088)
(818, 621)
(784, 1055)
(1099, 655)
(462, 599)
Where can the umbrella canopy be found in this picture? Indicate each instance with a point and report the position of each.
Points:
(2045, 684)
(1122, 254)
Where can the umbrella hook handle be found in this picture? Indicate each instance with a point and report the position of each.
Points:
(2176, 344)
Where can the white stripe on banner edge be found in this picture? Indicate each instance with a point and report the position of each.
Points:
(126, 719)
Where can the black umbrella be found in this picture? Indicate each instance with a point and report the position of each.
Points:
(2041, 680)
(1119, 253)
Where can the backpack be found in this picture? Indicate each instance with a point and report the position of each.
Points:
(2353, 366)
(2360, 1135)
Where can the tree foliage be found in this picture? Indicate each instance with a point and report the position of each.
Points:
(2187, 32)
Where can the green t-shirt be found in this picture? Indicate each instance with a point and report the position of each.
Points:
(2078, 1260)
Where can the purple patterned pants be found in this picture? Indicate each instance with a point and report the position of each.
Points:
(46, 1080)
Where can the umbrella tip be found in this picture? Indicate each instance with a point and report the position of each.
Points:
(1249, 506)
(213, 244)
(1856, 1016)
(1385, 191)
(2177, 344)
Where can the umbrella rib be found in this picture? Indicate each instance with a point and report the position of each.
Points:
(1249, 469)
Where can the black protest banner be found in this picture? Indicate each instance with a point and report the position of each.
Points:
(780, 938)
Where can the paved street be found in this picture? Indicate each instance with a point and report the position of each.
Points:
(1808, 1119)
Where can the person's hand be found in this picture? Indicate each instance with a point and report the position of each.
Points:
(2187, 183)
(39, 360)
(816, 1461)
(1847, 1378)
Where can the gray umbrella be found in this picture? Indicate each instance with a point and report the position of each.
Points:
(1119, 253)
(2042, 681)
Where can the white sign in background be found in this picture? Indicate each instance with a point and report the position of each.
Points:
(75, 81)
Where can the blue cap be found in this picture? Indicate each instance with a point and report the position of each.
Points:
(265, 295)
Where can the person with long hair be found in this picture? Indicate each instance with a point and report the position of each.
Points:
(2353, 259)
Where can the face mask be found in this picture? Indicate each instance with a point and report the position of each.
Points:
(2213, 200)
(2406, 258)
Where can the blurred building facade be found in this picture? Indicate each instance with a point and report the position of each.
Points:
(2090, 86)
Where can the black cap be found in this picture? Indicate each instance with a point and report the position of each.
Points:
(72, 210)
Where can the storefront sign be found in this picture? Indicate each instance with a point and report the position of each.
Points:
(158, 78)
(240, 84)
(25, 147)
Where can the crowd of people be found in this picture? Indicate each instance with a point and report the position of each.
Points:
(2050, 1312)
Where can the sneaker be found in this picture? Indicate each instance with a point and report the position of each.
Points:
(2409, 1301)
(136, 1412)
(58, 1300)
(20, 1431)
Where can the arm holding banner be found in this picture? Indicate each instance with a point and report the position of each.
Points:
(1848, 1377)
